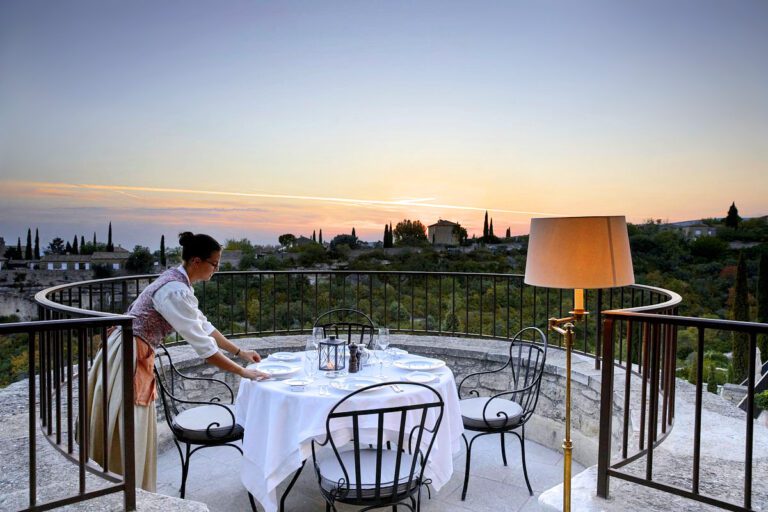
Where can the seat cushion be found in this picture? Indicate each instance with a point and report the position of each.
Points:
(192, 424)
(501, 412)
(331, 473)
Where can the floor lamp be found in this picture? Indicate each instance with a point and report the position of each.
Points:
(578, 253)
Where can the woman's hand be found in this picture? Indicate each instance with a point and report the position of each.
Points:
(254, 375)
(249, 355)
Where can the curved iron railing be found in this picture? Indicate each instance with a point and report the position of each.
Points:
(262, 303)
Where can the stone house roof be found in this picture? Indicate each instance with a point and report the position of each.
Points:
(442, 222)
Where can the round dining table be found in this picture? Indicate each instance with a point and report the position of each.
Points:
(280, 420)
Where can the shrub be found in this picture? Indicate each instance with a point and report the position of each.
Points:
(761, 400)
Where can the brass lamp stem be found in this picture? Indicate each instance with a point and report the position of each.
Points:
(567, 331)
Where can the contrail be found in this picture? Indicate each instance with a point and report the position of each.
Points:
(418, 202)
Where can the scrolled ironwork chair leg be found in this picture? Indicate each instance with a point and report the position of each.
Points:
(525, 468)
(253, 502)
(503, 449)
(185, 473)
(466, 467)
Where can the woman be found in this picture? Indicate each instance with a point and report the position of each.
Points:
(165, 306)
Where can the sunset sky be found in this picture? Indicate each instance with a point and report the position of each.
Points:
(252, 119)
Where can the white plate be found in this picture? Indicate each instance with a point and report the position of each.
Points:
(421, 364)
(398, 353)
(276, 370)
(284, 356)
(348, 384)
(421, 377)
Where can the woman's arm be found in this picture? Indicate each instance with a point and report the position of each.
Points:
(219, 360)
(246, 355)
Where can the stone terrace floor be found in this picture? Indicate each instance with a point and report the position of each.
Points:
(214, 479)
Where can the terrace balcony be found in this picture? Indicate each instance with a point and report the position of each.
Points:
(673, 448)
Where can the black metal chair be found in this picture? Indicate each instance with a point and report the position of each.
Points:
(508, 411)
(198, 423)
(370, 475)
(352, 324)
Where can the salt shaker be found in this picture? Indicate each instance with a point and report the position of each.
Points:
(354, 365)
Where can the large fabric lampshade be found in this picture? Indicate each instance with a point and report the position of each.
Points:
(579, 252)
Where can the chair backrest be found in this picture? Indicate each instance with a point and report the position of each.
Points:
(411, 429)
(526, 363)
(347, 323)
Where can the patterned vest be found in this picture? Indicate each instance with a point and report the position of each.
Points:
(150, 325)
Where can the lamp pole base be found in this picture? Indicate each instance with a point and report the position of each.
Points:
(567, 454)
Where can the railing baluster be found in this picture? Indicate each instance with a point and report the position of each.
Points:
(697, 411)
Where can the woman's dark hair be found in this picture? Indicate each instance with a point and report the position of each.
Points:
(197, 246)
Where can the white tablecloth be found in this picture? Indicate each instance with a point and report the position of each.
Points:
(280, 424)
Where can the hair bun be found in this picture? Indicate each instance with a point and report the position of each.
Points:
(186, 238)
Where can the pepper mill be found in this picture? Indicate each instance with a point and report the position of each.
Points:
(354, 365)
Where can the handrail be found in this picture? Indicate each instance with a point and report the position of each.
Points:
(656, 355)
(55, 369)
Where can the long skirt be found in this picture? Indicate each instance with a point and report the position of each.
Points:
(144, 417)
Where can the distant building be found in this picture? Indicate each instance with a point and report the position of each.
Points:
(442, 233)
(692, 229)
(65, 262)
(115, 260)
(302, 240)
(230, 258)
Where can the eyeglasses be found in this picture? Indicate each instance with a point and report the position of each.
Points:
(214, 264)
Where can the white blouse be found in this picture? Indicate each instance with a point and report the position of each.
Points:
(177, 303)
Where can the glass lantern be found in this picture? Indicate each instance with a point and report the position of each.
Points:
(331, 355)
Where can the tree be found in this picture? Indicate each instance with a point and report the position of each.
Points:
(709, 248)
(409, 232)
(74, 246)
(711, 380)
(353, 232)
(314, 236)
(110, 246)
(339, 240)
(56, 246)
(732, 219)
(740, 312)
(287, 239)
(485, 226)
(460, 233)
(37, 244)
(94, 239)
(762, 303)
(509, 233)
(82, 243)
(68, 249)
(490, 230)
(320, 238)
(162, 250)
(18, 248)
(28, 248)
(386, 236)
(140, 260)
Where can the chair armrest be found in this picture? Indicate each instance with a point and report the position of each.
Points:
(207, 379)
(476, 374)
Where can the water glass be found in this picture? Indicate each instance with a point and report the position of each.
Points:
(383, 344)
(310, 364)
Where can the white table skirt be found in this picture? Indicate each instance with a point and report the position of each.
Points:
(280, 425)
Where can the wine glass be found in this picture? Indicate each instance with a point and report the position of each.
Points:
(382, 343)
(314, 340)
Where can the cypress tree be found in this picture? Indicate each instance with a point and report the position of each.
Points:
(314, 236)
(762, 304)
(82, 243)
(711, 381)
(509, 233)
(732, 219)
(68, 248)
(110, 247)
(19, 254)
(37, 244)
(485, 227)
(28, 249)
(320, 238)
(391, 236)
(740, 312)
(490, 229)
(74, 246)
(384, 241)
(162, 250)
(94, 240)
(353, 232)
